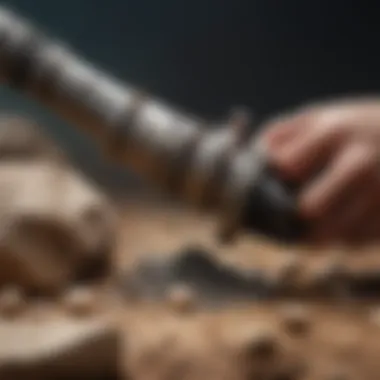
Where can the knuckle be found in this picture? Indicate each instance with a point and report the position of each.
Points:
(331, 123)
(364, 158)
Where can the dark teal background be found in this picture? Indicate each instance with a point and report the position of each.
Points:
(209, 55)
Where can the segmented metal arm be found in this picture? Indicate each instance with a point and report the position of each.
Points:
(167, 147)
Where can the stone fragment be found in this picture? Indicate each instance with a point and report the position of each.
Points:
(80, 301)
(55, 226)
(296, 320)
(257, 343)
(181, 298)
(59, 349)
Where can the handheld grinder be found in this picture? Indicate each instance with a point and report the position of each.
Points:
(222, 171)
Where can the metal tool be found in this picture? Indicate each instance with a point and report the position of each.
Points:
(214, 170)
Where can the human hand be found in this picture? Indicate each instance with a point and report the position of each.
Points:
(333, 150)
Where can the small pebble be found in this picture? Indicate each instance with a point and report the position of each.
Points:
(181, 299)
(296, 320)
(258, 343)
(12, 302)
(80, 301)
(290, 271)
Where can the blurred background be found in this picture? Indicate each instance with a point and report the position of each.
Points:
(207, 56)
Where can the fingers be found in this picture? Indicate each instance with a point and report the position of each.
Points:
(349, 222)
(309, 152)
(352, 165)
(283, 130)
(342, 201)
(300, 144)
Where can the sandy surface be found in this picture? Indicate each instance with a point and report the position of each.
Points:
(308, 340)
(174, 338)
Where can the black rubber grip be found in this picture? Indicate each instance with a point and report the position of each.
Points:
(271, 209)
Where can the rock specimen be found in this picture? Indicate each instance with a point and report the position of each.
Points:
(55, 226)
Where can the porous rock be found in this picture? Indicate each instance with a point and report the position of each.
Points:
(55, 226)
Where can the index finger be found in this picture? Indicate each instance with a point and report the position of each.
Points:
(279, 131)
